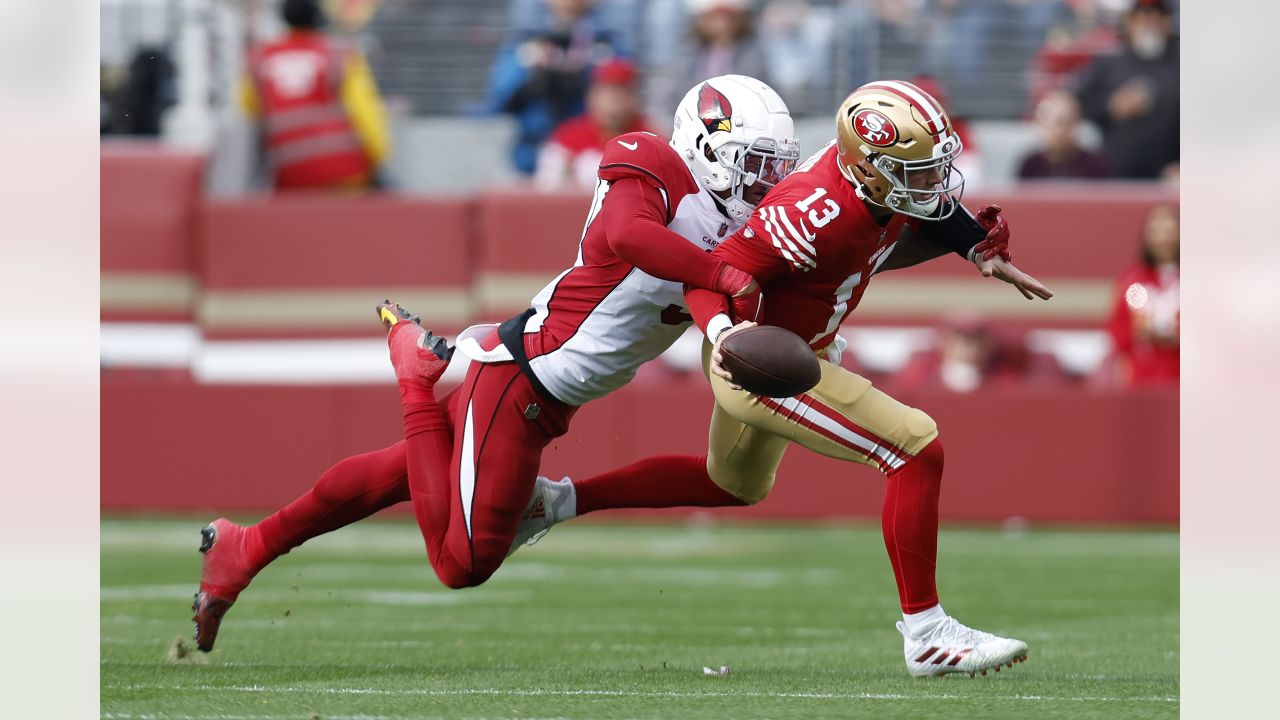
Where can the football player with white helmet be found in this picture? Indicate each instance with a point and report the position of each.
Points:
(884, 194)
(469, 461)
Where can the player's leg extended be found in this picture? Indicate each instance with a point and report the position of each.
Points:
(468, 488)
(353, 489)
(738, 470)
(502, 428)
(662, 481)
(845, 417)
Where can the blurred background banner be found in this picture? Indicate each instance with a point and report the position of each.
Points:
(262, 160)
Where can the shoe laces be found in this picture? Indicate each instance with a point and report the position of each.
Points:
(533, 539)
(957, 632)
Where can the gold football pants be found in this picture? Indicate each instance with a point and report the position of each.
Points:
(843, 417)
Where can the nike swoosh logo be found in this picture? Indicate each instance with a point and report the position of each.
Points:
(629, 145)
(808, 234)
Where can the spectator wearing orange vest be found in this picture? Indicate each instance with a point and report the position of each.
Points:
(324, 123)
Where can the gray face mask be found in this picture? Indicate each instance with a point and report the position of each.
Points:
(1148, 44)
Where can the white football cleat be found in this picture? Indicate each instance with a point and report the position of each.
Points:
(553, 501)
(951, 647)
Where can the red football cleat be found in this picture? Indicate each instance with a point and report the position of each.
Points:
(226, 572)
(418, 355)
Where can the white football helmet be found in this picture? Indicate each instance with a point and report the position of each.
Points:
(735, 132)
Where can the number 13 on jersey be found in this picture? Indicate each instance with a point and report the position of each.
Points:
(830, 210)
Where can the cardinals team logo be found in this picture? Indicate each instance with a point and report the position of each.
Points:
(875, 127)
(714, 109)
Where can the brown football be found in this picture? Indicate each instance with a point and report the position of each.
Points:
(770, 361)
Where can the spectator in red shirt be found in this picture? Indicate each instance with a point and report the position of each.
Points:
(572, 154)
(1145, 319)
(1060, 154)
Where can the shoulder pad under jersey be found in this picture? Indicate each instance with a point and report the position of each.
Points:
(650, 158)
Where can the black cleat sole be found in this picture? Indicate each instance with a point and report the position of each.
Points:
(437, 345)
(208, 536)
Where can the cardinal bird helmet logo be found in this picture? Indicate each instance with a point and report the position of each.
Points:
(714, 109)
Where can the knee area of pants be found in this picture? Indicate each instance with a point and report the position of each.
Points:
(921, 427)
(745, 490)
(463, 580)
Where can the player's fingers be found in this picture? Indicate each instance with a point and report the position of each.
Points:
(719, 371)
(1035, 286)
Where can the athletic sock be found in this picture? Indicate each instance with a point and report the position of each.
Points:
(909, 521)
(351, 490)
(414, 392)
(921, 623)
(656, 482)
(428, 452)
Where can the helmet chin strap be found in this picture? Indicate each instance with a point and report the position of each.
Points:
(734, 207)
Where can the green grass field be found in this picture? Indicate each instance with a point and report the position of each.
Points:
(618, 621)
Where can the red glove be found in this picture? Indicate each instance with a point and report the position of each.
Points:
(997, 240)
(733, 282)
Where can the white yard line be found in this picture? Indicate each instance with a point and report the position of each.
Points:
(296, 716)
(375, 596)
(502, 692)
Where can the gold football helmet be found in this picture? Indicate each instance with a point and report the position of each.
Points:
(897, 147)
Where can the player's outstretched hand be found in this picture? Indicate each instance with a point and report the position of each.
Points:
(997, 268)
(717, 360)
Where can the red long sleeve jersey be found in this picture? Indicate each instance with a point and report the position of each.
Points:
(812, 244)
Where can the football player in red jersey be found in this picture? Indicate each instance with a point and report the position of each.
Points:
(882, 195)
(469, 461)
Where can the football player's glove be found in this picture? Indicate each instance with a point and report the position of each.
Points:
(997, 240)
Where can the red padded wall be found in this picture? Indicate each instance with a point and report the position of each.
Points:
(150, 204)
(1061, 455)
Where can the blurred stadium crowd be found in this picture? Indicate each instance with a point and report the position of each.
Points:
(456, 95)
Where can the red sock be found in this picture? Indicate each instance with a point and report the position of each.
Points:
(656, 482)
(428, 453)
(910, 524)
(351, 490)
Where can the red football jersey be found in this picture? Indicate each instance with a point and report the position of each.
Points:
(813, 245)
